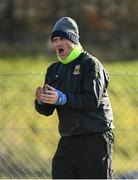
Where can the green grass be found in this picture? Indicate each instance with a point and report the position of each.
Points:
(29, 139)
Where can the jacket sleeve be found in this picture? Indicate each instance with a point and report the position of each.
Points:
(44, 109)
(94, 84)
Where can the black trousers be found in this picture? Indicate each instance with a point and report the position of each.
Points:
(84, 157)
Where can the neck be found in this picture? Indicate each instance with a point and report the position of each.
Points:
(76, 51)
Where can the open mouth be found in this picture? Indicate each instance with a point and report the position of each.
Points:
(61, 52)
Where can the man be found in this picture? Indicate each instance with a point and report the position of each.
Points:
(76, 86)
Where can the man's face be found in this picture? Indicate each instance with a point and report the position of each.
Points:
(62, 46)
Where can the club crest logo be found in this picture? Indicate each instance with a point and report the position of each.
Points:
(76, 70)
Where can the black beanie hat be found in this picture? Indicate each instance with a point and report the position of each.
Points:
(66, 27)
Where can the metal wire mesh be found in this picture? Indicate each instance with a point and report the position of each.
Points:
(28, 140)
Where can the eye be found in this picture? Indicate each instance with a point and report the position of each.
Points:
(55, 39)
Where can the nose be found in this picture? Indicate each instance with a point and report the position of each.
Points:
(58, 43)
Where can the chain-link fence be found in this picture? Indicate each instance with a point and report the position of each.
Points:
(28, 140)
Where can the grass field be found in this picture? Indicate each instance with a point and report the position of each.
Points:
(30, 140)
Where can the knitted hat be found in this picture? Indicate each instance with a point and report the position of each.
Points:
(66, 27)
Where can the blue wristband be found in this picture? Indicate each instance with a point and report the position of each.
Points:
(62, 98)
